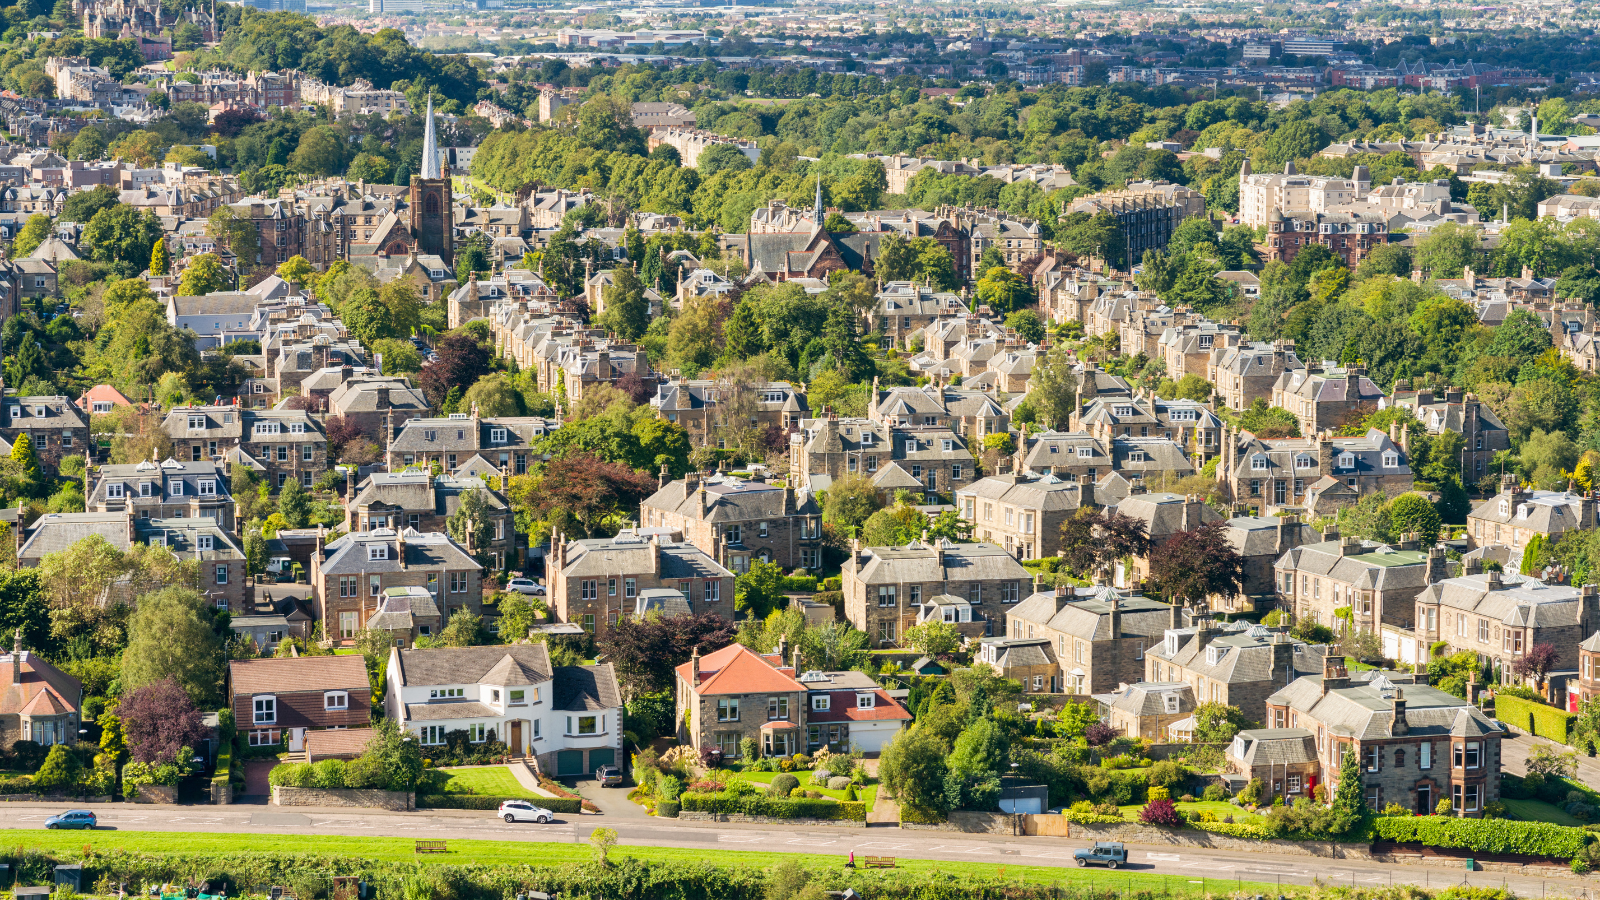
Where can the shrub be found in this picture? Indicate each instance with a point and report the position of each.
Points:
(1395, 809)
(1256, 829)
(560, 805)
(838, 783)
(783, 785)
(1157, 793)
(1485, 835)
(329, 774)
(365, 773)
(1167, 774)
(291, 775)
(1099, 733)
(850, 793)
(1215, 793)
(668, 809)
(668, 787)
(821, 776)
(1252, 792)
(911, 815)
(1161, 812)
(771, 807)
(1534, 718)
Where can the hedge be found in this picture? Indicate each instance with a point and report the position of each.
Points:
(478, 801)
(756, 805)
(224, 763)
(1484, 835)
(911, 815)
(1255, 830)
(800, 583)
(1083, 818)
(668, 809)
(1534, 718)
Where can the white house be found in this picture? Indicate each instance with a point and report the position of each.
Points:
(569, 718)
(849, 709)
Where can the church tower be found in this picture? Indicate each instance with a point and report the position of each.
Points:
(431, 210)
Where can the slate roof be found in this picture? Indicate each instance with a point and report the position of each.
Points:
(731, 500)
(1045, 492)
(1163, 513)
(348, 555)
(1086, 613)
(1519, 602)
(1546, 512)
(580, 688)
(628, 552)
(666, 601)
(1365, 711)
(469, 665)
(1276, 746)
(54, 532)
(1376, 567)
(402, 607)
(1237, 657)
(918, 562)
(1258, 535)
(1148, 698)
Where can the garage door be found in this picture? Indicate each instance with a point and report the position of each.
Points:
(598, 758)
(569, 762)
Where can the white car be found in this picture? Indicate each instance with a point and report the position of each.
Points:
(525, 586)
(523, 811)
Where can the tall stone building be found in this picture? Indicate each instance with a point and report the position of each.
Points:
(430, 208)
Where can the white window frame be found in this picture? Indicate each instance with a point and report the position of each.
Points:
(335, 701)
(377, 551)
(264, 709)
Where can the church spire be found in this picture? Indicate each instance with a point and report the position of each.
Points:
(816, 207)
(430, 145)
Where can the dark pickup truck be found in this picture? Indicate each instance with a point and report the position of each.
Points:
(1103, 853)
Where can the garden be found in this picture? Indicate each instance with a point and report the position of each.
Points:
(834, 786)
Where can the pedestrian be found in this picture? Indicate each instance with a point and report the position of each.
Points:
(852, 863)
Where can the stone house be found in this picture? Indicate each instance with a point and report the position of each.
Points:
(1415, 744)
(1284, 759)
(1328, 400)
(1246, 372)
(1098, 635)
(736, 521)
(1147, 710)
(39, 702)
(1163, 515)
(282, 443)
(1500, 617)
(1232, 663)
(1586, 686)
(846, 711)
(1269, 475)
(569, 719)
(933, 459)
(1378, 582)
(218, 554)
(596, 581)
(1029, 661)
(704, 408)
(1187, 423)
(904, 307)
(278, 700)
(351, 574)
(377, 404)
(418, 500)
(1512, 517)
(54, 425)
(1023, 513)
(1464, 414)
(973, 414)
(1261, 541)
(735, 693)
(166, 490)
(503, 444)
(890, 589)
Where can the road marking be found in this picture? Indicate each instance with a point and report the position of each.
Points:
(879, 845)
(737, 839)
(1205, 865)
(1164, 857)
(810, 842)
(1059, 854)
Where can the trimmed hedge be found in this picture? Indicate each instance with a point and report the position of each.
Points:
(478, 801)
(772, 807)
(1534, 718)
(1484, 835)
(1083, 818)
(668, 809)
(911, 815)
(1255, 830)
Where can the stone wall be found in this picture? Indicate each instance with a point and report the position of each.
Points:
(1133, 833)
(156, 793)
(969, 822)
(399, 801)
(221, 793)
(687, 816)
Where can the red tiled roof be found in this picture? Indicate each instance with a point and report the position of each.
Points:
(303, 673)
(842, 708)
(63, 692)
(736, 669)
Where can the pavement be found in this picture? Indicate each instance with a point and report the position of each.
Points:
(1514, 757)
(1199, 866)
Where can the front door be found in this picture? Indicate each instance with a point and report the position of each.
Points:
(1424, 801)
(516, 737)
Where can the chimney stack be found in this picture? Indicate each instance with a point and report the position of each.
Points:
(16, 657)
(694, 667)
(1334, 673)
(1399, 726)
(1491, 581)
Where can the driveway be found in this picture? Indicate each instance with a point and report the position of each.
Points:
(1514, 757)
(255, 776)
(613, 802)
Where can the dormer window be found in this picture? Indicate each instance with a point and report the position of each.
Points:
(197, 423)
(208, 487)
(297, 428)
(1136, 456)
(38, 412)
(866, 701)
(911, 446)
(335, 700)
(819, 703)
(1524, 510)
(175, 489)
(1347, 460)
(1085, 452)
(1169, 702)
(266, 428)
(1123, 411)
(1391, 460)
(497, 435)
(146, 488)
(377, 551)
(1258, 463)
(1214, 654)
(114, 492)
(1505, 507)
(1172, 645)
(1304, 461)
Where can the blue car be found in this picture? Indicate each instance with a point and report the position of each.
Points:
(76, 818)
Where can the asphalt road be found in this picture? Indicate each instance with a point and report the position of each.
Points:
(1213, 867)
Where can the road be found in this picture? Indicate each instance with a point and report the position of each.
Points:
(1190, 864)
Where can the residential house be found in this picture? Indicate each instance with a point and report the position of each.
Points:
(1328, 400)
(1463, 414)
(102, 399)
(1415, 744)
(218, 556)
(1515, 515)
(930, 460)
(735, 694)
(414, 498)
(1163, 515)
(54, 425)
(1261, 541)
(1269, 475)
(1586, 686)
(1189, 424)
(39, 702)
(569, 719)
(1024, 513)
(1147, 709)
(55, 532)
(1234, 663)
(502, 444)
(596, 581)
(1499, 617)
(280, 443)
(846, 711)
(276, 701)
(1283, 759)
(166, 490)
(1246, 372)
(1098, 635)
(376, 404)
(1378, 583)
(715, 412)
(735, 521)
(350, 576)
(890, 589)
(1027, 661)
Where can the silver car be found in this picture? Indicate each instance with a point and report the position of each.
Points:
(525, 586)
(523, 811)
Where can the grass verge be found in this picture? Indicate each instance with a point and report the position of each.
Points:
(552, 854)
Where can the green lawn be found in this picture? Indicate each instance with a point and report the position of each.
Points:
(487, 781)
(1540, 811)
(70, 845)
(866, 794)
(1217, 807)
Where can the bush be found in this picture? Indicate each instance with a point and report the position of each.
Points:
(838, 782)
(821, 776)
(1161, 812)
(559, 805)
(329, 774)
(287, 775)
(1215, 793)
(1255, 829)
(1534, 718)
(771, 807)
(668, 809)
(911, 815)
(1485, 835)
(1167, 774)
(1252, 792)
(1099, 733)
(1158, 793)
(365, 773)
(1086, 813)
(783, 785)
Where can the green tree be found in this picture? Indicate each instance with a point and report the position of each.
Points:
(123, 236)
(472, 524)
(1412, 512)
(26, 459)
(933, 638)
(297, 271)
(1025, 322)
(494, 395)
(463, 630)
(760, 590)
(294, 504)
(894, 526)
(1004, 290)
(1053, 390)
(33, 233)
(171, 635)
(1217, 723)
(203, 275)
(913, 768)
(1446, 250)
(1349, 808)
(59, 771)
(160, 259)
(369, 167)
(627, 311)
(849, 502)
(321, 152)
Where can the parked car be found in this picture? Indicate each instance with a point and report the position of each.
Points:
(1104, 853)
(608, 776)
(525, 586)
(75, 818)
(523, 811)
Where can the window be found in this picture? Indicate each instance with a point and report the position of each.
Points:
(458, 582)
(630, 588)
(447, 694)
(374, 585)
(518, 697)
(266, 428)
(347, 620)
(728, 709)
(175, 489)
(866, 701)
(713, 591)
(1374, 756)
(777, 709)
(819, 702)
(266, 710)
(432, 735)
(113, 492)
(1258, 463)
(476, 732)
(332, 700)
(307, 452)
(220, 576)
(588, 622)
(208, 487)
(497, 435)
(297, 428)
(886, 595)
(146, 488)
(377, 551)
(283, 453)
(203, 542)
(196, 423)
(347, 586)
(1474, 750)
(1085, 452)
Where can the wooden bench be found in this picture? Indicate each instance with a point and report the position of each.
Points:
(878, 862)
(433, 847)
